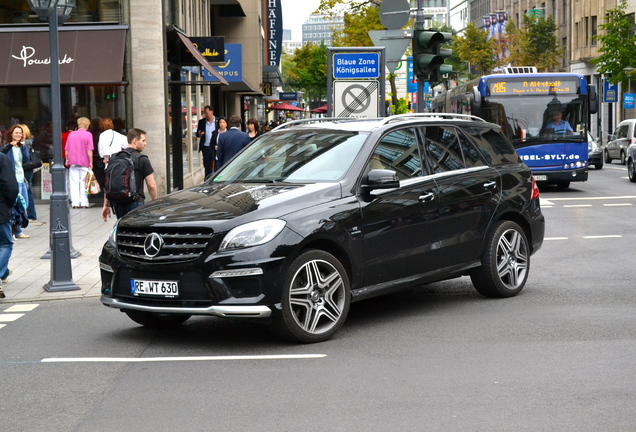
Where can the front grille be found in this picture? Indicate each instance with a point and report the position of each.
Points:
(179, 244)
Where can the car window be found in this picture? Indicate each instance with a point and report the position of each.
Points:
(472, 158)
(295, 156)
(621, 132)
(398, 151)
(493, 146)
(443, 151)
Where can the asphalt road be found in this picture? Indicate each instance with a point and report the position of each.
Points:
(558, 357)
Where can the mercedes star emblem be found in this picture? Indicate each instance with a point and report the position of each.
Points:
(153, 245)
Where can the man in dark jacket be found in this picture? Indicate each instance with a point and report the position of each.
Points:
(232, 141)
(8, 194)
(207, 130)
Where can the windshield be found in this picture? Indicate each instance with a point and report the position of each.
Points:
(299, 156)
(546, 118)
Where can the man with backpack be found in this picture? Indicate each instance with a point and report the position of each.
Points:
(125, 176)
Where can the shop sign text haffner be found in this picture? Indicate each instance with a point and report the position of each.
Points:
(85, 57)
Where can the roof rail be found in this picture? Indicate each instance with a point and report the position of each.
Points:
(447, 116)
(319, 120)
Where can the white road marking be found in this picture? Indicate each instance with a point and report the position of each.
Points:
(577, 205)
(593, 198)
(10, 317)
(555, 238)
(2, 325)
(617, 205)
(602, 236)
(170, 359)
(22, 308)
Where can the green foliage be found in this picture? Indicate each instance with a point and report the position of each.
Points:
(535, 44)
(308, 71)
(402, 107)
(617, 46)
(357, 24)
(475, 48)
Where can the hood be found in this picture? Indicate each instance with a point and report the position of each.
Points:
(224, 205)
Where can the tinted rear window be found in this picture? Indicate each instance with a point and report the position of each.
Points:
(493, 146)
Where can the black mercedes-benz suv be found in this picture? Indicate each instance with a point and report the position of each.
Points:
(319, 213)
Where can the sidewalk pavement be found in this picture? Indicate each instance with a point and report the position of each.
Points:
(30, 272)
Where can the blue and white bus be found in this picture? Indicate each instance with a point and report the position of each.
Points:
(526, 106)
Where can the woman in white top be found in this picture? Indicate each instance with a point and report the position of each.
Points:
(110, 142)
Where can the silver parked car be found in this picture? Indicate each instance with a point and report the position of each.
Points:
(594, 153)
(623, 137)
(631, 162)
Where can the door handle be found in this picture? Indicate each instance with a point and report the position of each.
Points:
(490, 185)
(427, 197)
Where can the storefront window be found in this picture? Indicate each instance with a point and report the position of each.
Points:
(18, 12)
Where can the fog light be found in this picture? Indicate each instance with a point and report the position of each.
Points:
(237, 273)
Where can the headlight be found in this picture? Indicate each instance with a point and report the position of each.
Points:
(252, 234)
(112, 238)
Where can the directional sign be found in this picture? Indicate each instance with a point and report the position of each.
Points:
(357, 99)
(356, 65)
(395, 42)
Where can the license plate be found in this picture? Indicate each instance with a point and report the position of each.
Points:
(154, 288)
(541, 177)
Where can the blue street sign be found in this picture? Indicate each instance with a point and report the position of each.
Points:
(610, 93)
(356, 65)
(628, 100)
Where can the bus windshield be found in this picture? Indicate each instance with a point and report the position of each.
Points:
(548, 117)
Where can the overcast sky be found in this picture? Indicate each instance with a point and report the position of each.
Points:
(295, 13)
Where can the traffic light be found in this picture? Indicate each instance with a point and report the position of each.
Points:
(427, 54)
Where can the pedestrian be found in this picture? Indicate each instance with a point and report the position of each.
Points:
(29, 171)
(145, 174)
(253, 129)
(70, 126)
(8, 195)
(232, 141)
(110, 141)
(18, 154)
(207, 130)
(79, 157)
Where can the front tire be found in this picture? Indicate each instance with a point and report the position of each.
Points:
(155, 320)
(622, 158)
(631, 171)
(598, 166)
(608, 159)
(315, 300)
(505, 263)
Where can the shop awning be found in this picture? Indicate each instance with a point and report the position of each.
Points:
(87, 56)
(197, 55)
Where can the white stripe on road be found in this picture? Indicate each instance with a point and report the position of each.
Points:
(577, 205)
(593, 198)
(22, 308)
(555, 238)
(170, 359)
(617, 205)
(602, 236)
(10, 317)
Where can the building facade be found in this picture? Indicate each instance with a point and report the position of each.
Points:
(143, 62)
(320, 27)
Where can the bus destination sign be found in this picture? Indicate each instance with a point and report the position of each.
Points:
(531, 86)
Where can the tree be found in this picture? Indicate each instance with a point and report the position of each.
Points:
(308, 71)
(535, 44)
(617, 46)
(475, 48)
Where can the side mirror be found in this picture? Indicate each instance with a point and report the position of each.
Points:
(381, 179)
(593, 99)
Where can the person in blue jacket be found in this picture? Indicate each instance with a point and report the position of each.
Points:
(232, 141)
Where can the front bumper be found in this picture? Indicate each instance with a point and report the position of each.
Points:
(219, 311)
(579, 174)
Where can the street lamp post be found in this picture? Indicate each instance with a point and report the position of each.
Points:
(56, 12)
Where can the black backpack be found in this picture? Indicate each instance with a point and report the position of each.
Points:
(122, 185)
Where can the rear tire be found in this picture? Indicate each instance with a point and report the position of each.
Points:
(315, 299)
(155, 320)
(631, 171)
(505, 263)
(622, 158)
